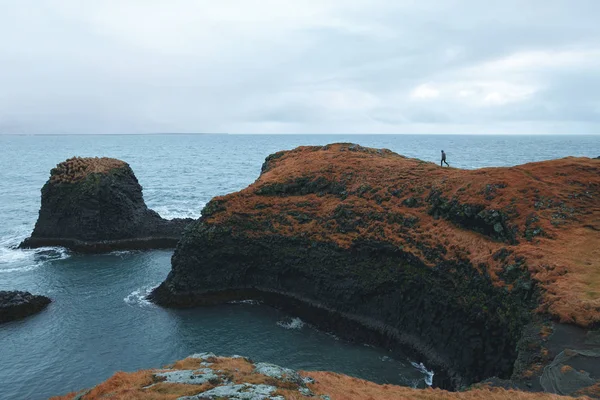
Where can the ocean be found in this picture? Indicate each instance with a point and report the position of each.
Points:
(99, 321)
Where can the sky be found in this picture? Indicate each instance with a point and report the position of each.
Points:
(300, 66)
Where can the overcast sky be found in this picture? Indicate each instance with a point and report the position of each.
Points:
(300, 66)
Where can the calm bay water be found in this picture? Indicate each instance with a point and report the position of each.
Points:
(99, 322)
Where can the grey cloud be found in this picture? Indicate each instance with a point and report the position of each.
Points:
(390, 66)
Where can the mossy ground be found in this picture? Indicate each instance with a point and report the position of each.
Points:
(76, 169)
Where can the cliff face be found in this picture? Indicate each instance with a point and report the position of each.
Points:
(205, 376)
(96, 204)
(390, 250)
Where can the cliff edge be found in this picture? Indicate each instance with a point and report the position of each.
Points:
(476, 271)
(96, 205)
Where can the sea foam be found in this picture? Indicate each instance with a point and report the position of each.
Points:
(428, 374)
(13, 259)
(139, 297)
(183, 211)
(293, 323)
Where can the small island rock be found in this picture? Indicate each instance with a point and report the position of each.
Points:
(16, 305)
(96, 205)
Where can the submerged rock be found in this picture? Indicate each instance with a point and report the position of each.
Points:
(448, 264)
(17, 305)
(96, 205)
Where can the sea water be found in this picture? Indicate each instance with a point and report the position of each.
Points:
(99, 321)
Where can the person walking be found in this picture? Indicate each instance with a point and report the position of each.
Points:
(443, 159)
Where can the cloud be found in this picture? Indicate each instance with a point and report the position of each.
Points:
(314, 66)
(425, 91)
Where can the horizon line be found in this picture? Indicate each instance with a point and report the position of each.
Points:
(298, 133)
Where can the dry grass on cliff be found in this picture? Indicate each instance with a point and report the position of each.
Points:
(136, 385)
(555, 205)
(592, 391)
(144, 385)
(343, 387)
(131, 386)
(77, 168)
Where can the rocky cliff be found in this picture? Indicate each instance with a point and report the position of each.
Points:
(470, 269)
(16, 305)
(206, 376)
(96, 205)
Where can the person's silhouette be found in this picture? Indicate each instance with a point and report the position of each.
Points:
(443, 159)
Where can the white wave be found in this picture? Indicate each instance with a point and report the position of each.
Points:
(121, 253)
(428, 374)
(10, 255)
(19, 269)
(293, 323)
(172, 212)
(139, 297)
(251, 302)
(50, 253)
(13, 259)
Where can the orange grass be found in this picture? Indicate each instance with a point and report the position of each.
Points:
(133, 386)
(342, 387)
(77, 168)
(563, 195)
(592, 391)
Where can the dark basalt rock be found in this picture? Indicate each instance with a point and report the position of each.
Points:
(476, 217)
(100, 211)
(371, 293)
(17, 305)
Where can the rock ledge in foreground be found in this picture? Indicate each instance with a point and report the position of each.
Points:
(206, 376)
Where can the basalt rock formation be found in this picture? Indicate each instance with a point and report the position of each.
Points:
(16, 305)
(474, 271)
(206, 376)
(96, 205)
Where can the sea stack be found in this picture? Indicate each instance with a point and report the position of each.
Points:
(96, 205)
(16, 305)
(476, 272)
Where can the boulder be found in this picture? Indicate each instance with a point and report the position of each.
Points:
(16, 305)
